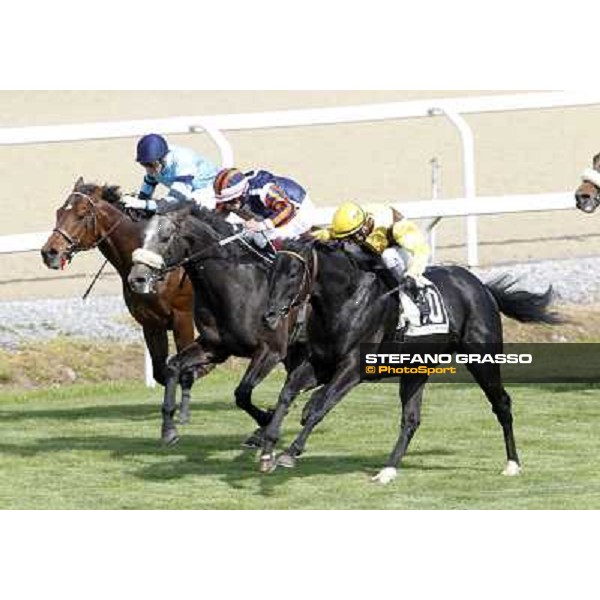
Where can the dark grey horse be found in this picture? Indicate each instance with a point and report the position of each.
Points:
(230, 285)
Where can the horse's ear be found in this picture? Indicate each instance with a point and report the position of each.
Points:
(596, 162)
(396, 215)
(78, 183)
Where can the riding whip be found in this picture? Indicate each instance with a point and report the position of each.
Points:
(232, 238)
(87, 292)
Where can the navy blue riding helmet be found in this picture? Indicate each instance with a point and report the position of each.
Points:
(151, 148)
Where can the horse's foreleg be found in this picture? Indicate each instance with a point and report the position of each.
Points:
(192, 358)
(169, 433)
(301, 378)
(411, 396)
(325, 399)
(157, 343)
(183, 334)
(261, 364)
(186, 381)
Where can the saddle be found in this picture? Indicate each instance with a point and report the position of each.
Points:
(422, 311)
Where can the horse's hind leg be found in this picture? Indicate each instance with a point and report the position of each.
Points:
(488, 378)
(262, 363)
(411, 396)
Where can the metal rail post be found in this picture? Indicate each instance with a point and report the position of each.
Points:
(217, 136)
(468, 147)
(435, 194)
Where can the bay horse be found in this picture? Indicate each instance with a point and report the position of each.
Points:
(230, 282)
(91, 218)
(353, 305)
(587, 195)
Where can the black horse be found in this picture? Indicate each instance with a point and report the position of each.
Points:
(352, 305)
(230, 282)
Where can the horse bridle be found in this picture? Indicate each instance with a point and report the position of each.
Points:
(74, 243)
(592, 177)
(202, 254)
(309, 277)
(155, 261)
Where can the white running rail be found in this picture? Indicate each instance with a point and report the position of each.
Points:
(214, 125)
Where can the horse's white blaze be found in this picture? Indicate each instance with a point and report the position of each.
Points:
(386, 475)
(512, 469)
(151, 230)
(147, 257)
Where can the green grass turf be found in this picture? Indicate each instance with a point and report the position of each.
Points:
(97, 447)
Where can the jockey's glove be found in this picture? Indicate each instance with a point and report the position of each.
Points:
(258, 239)
(257, 226)
(137, 203)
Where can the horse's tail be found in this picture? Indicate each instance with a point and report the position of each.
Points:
(521, 305)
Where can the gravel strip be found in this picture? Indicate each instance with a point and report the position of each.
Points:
(106, 318)
(575, 281)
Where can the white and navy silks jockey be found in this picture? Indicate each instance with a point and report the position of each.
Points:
(283, 206)
(186, 174)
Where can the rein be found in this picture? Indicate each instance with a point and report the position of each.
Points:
(238, 237)
(308, 278)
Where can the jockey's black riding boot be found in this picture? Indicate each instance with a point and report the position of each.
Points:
(417, 294)
(423, 306)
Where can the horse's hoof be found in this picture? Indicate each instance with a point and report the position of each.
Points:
(170, 438)
(386, 475)
(267, 464)
(285, 460)
(255, 441)
(184, 419)
(512, 469)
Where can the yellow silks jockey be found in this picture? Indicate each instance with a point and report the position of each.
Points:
(352, 222)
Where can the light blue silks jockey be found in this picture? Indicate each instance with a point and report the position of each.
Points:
(186, 174)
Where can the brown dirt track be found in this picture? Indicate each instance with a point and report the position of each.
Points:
(521, 152)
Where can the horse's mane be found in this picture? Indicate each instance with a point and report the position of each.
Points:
(109, 193)
(214, 220)
(334, 249)
(218, 228)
